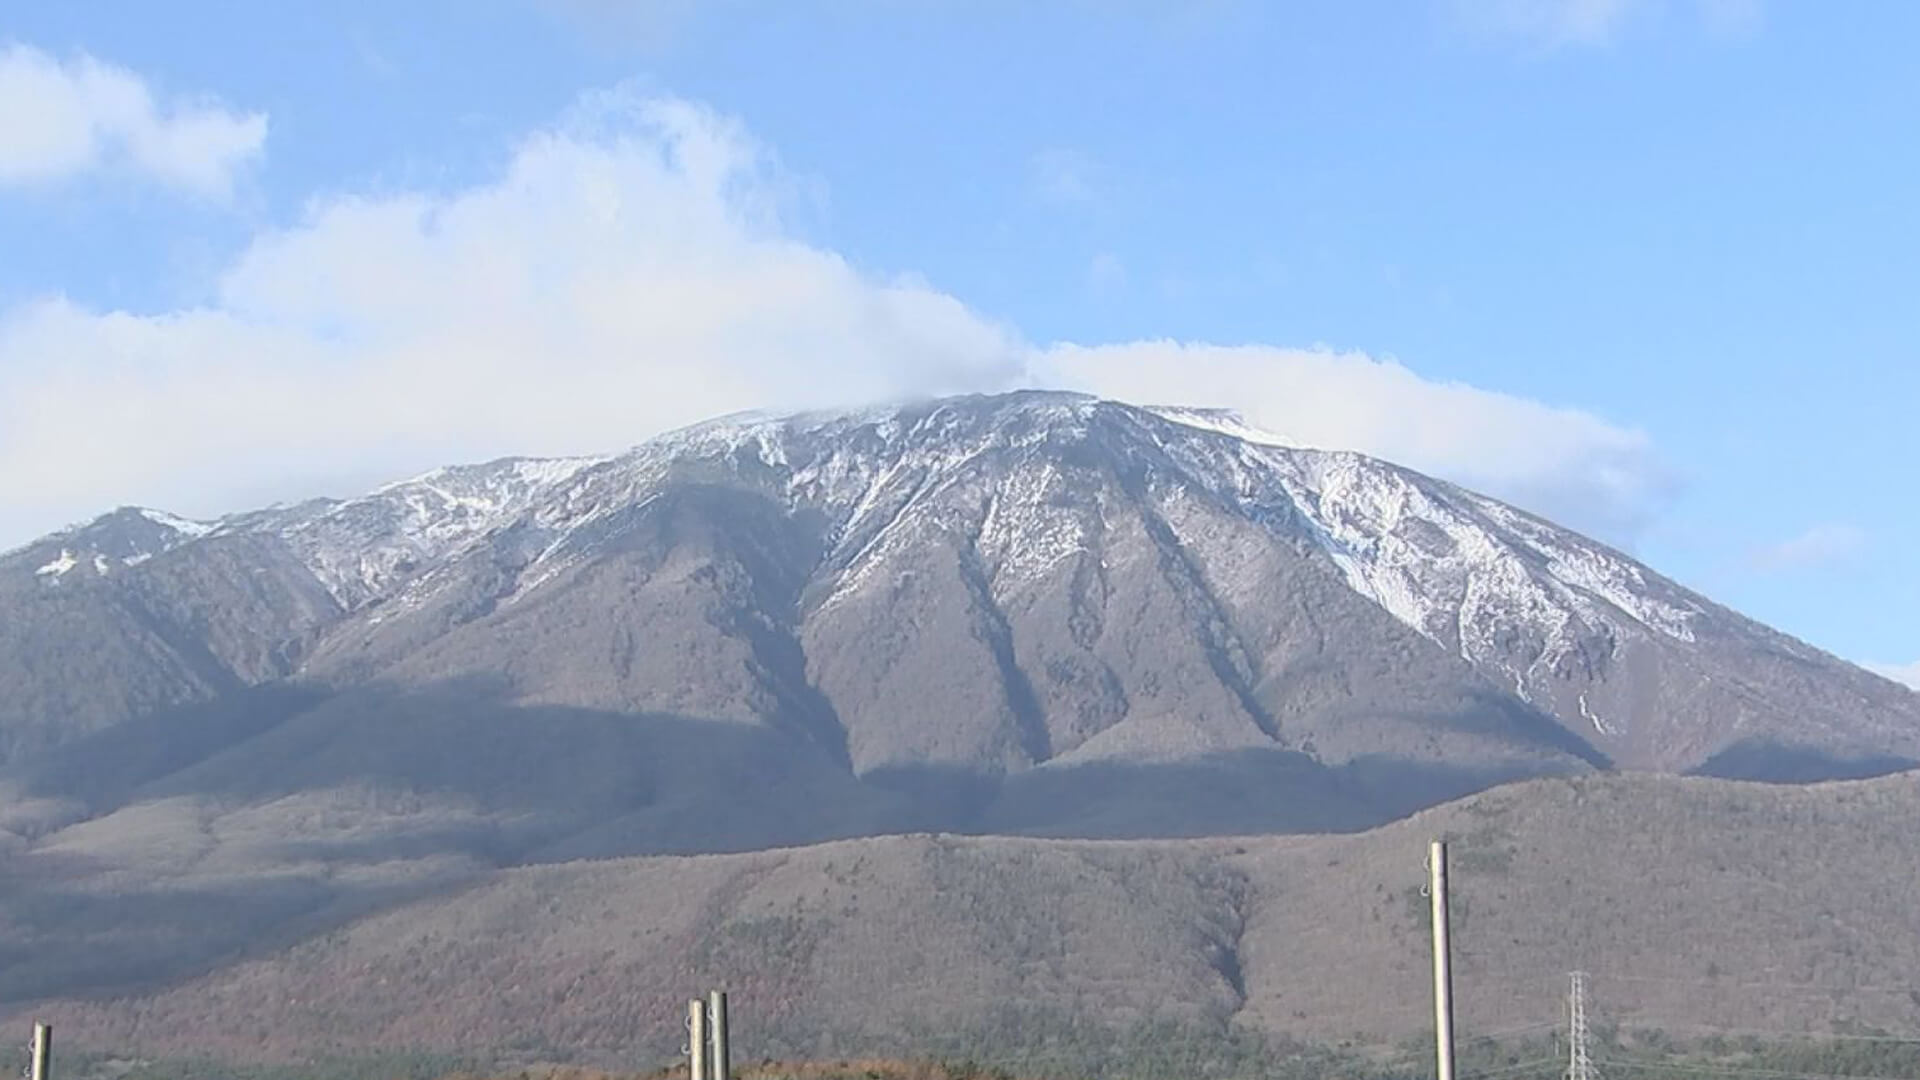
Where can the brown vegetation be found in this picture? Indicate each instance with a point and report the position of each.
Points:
(1694, 903)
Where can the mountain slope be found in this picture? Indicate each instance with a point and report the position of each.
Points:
(1033, 615)
(126, 617)
(1694, 903)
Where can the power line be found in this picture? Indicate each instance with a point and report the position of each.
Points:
(1730, 984)
(1781, 1033)
(1516, 1067)
(1496, 977)
(1521, 1029)
(1736, 1070)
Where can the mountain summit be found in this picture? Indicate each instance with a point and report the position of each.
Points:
(1013, 599)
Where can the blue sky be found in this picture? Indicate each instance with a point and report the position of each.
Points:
(1644, 265)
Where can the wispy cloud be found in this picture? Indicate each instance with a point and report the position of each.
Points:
(1553, 24)
(1817, 546)
(644, 24)
(1106, 274)
(629, 271)
(61, 118)
(1731, 16)
(1065, 177)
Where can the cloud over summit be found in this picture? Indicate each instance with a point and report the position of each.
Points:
(628, 271)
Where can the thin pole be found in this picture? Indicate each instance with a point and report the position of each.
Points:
(720, 1065)
(1442, 962)
(697, 1040)
(42, 1052)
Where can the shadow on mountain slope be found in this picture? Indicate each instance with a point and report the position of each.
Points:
(1232, 793)
(1778, 763)
(458, 768)
(320, 810)
(91, 939)
(366, 800)
(1503, 717)
(593, 782)
(1221, 794)
(99, 772)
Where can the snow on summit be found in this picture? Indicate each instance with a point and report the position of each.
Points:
(1448, 564)
(1549, 616)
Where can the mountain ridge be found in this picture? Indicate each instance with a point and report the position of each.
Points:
(1567, 626)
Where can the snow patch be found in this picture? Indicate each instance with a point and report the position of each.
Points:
(1509, 594)
(183, 526)
(1600, 725)
(1222, 422)
(58, 567)
(365, 549)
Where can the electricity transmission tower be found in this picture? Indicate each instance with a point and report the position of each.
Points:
(1579, 1060)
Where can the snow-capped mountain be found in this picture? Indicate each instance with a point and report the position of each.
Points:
(127, 537)
(363, 549)
(990, 585)
(347, 724)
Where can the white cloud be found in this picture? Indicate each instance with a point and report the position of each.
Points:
(1909, 674)
(62, 118)
(628, 272)
(1566, 464)
(1818, 545)
(1552, 24)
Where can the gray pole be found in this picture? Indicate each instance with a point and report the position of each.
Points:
(697, 1040)
(720, 1064)
(42, 1052)
(1442, 962)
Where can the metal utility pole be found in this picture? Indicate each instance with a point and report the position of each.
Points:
(720, 1063)
(697, 1040)
(1579, 1060)
(42, 1067)
(1442, 962)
